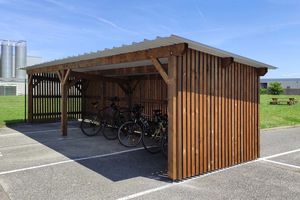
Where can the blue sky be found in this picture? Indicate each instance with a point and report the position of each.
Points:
(265, 30)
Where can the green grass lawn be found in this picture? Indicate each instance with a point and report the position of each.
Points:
(278, 115)
(12, 111)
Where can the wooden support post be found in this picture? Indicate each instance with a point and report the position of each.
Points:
(172, 117)
(30, 98)
(63, 77)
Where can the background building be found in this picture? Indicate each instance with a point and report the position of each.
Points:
(13, 58)
(291, 86)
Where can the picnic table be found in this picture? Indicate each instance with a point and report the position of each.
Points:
(288, 101)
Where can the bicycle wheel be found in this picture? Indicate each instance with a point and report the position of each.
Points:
(110, 131)
(90, 125)
(111, 127)
(152, 141)
(130, 134)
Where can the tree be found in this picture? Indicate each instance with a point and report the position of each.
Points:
(275, 88)
(263, 91)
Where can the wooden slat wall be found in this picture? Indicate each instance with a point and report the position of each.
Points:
(46, 99)
(151, 92)
(217, 114)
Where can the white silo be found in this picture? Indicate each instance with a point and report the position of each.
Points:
(20, 59)
(6, 59)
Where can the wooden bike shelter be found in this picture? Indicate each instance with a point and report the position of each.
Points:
(212, 101)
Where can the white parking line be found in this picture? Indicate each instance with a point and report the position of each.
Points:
(32, 132)
(69, 161)
(1, 154)
(281, 163)
(49, 130)
(202, 176)
(181, 182)
(280, 154)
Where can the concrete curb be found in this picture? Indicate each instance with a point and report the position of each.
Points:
(280, 127)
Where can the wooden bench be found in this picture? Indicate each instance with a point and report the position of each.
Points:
(288, 101)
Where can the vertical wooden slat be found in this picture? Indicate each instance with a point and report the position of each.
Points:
(179, 118)
(202, 112)
(192, 113)
(226, 112)
(184, 100)
(247, 114)
(235, 113)
(252, 90)
(238, 114)
(220, 135)
(172, 117)
(230, 108)
(197, 112)
(223, 110)
(205, 113)
(258, 115)
(30, 98)
(188, 106)
(242, 111)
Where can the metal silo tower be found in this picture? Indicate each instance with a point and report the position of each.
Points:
(20, 59)
(6, 59)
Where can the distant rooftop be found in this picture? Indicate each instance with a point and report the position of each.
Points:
(279, 79)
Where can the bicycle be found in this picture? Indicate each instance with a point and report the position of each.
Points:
(156, 138)
(130, 133)
(151, 133)
(107, 120)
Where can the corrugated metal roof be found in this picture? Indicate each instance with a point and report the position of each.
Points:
(158, 42)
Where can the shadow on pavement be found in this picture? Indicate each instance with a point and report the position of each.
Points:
(117, 167)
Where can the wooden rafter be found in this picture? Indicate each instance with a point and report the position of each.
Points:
(160, 69)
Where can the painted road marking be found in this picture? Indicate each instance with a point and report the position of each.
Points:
(69, 161)
(202, 176)
(281, 163)
(280, 154)
(1, 154)
(32, 132)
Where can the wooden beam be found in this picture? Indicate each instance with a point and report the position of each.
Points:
(160, 69)
(67, 75)
(262, 71)
(160, 52)
(64, 76)
(30, 98)
(132, 71)
(227, 61)
(60, 75)
(64, 106)
(88, 76)
(38, 77)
